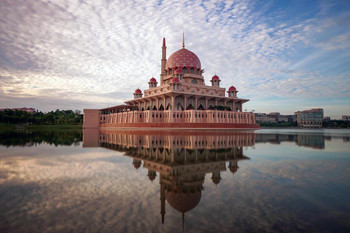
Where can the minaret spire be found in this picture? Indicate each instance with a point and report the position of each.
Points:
(163, 62)
(183, 221)
(183, 39)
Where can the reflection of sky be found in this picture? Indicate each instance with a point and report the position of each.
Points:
(281, 188)
(291, 151)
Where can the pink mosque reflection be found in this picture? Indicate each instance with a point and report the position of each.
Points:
(181, 159)
(182, 100)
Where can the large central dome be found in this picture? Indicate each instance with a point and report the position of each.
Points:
(183, 58)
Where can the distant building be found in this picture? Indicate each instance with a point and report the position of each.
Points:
(292, 118)
(29, 110)
(345, 118)
(282, 118)
(274, 117)
(261, 117)
(326, 119)
(310, 118)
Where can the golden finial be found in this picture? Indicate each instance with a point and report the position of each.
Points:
(183, 39)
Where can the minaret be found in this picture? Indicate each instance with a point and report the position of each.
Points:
(163, 62)
(183, 40)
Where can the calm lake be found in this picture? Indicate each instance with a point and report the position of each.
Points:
(172, 181)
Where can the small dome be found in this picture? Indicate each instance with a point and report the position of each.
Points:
(136, 163)
(175, 80)
(216, 180)
(233, 169)
(232, 88)
(183, 58)
(215, 77)
(178, 71)
(138, 91)
(152, 80)
(151, 175)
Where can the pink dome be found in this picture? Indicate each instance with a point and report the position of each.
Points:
(216, 180)
(183, 58)
(215, 77)
(232, 88)
(152, 80)
(233, 169)
(151, 177)
(138, 91)
(175, 80)
(183, 202)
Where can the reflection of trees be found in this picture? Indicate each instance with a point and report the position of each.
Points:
(64, 137)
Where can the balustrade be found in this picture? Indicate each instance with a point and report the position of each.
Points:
(178, 116)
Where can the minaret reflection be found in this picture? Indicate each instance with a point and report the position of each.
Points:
(181, 159)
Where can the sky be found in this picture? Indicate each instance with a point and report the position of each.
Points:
(284, 56)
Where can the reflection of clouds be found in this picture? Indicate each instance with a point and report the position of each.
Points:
(95, 190)
(275, 196)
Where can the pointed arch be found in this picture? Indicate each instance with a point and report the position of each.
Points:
(200, 107)
(189, 107)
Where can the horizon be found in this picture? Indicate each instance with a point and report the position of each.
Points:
(284, 56)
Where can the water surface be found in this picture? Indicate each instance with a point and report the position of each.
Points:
(170, 181)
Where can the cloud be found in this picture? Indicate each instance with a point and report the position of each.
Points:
(84, 49)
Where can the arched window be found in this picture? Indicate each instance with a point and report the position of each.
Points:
(191, 70)
(194, 81)
(184, 70)
(170, 71)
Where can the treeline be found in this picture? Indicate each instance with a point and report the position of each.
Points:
(58, 117)
(336, 124)
(58, 137)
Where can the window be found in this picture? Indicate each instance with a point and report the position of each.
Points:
(194, 81)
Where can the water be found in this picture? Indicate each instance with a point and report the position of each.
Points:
(173, 181)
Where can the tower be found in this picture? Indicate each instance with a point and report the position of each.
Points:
(232, 92)
(215, 81)
(137, 94)
(163, 62)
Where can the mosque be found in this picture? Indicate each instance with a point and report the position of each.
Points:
(181, 100)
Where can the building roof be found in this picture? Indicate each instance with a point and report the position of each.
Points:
(138, 91)
(183, 58)
(310, 110)
(123, 106)
(152, 80)
(232, 88)
(215, 77)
